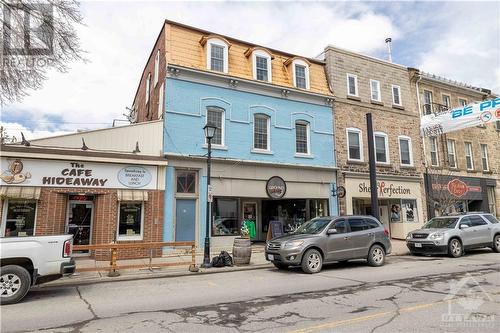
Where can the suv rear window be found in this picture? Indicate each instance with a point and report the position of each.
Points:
(490, 218)
(476, 220)
(372, 223)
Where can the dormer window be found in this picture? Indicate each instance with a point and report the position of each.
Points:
(217, 52)
(261, 60)
(300, 72)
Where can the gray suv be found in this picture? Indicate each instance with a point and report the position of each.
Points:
(453, 235)
(329, 239)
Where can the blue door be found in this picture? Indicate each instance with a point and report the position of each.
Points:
(185, 220)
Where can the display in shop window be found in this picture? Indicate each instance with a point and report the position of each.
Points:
(395, 213)
(130, 219)
(20, 219)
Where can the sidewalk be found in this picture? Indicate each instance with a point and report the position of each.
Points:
(257, 261)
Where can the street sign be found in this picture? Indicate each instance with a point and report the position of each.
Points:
(210, 197)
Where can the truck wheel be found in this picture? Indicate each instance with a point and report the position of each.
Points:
(455, 249)
(376, 256)
(280, 266)
(15, 281)
(312, 261)
(496, 243)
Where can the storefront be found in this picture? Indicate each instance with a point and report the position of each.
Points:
(454, 194)
(97, 202)
(400, 201)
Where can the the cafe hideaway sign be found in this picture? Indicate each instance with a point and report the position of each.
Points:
(28, 172)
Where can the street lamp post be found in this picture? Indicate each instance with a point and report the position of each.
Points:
(209, 134)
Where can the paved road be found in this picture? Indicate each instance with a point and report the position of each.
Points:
(408, 294)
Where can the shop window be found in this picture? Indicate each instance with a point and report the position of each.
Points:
(352, 85)
(405, 153)
(318, 208)
(434, 151)
(20, 218)
(186, 181)
(215, 117)
(375, 90)
(468, 155)
(484, 157)
(225, 217)
(409, 209)
(395, 211)
(302, 137)
(261, 132)
(130, 220)
(452, 157)
(354, 145)
(381, 148)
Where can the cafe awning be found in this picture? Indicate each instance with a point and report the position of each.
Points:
(132, 195)
(20, 192)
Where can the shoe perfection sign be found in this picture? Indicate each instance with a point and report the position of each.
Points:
(29, 172)
(464, 117)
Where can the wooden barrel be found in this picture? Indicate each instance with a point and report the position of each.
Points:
(242, 251)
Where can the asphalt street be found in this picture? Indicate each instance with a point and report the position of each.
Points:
(408, 294)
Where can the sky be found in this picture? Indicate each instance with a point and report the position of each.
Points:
(457, 40)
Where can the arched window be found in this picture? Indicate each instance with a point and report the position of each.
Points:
(261, 129)
(300, 74)
(261, 65)
(217, 55)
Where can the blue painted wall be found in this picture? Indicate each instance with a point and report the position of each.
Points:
(185, 113)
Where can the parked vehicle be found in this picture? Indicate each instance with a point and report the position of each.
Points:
(329, 239)
(29, 261)
(453, 235)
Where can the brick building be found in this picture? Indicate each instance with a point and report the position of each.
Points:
(363, 84)
(53, 186)
(468, 157)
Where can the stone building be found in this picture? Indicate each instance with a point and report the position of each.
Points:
(461, 167)
(362, 84)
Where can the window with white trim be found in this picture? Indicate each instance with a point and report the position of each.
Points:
(217, 55)
(261, 132)
(381, 148)
(157, 68)
(18, 218)
(427, 101)
(354, 145)
(468, 156)
(447, 101)
(462, 102)
(160, 101)
(262, 66)
(484, 157)
(302, 137)
(434, 151)
(215, 117)
(131, 220)
(300, 74)
(405, 151)
(452, 156)
(375, 90)
(148, 87)
(396, 95)
(352, 85)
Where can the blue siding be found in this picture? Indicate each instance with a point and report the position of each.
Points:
(168, 207)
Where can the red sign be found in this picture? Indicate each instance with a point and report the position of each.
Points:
(457, 187)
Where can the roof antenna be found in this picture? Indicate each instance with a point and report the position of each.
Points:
(388, 42)
(136, 150)
(84, 146)
(24, 141)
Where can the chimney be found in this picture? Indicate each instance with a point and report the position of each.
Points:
(388, 42)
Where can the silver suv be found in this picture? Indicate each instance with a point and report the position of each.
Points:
(329, 239)
(453, 235)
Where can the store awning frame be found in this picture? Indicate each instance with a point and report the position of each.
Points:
(132, 195)
(20, 192)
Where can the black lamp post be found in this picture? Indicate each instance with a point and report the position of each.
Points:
(209, 134)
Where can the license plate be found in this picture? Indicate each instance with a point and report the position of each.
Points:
(270, 257)
(418, 245)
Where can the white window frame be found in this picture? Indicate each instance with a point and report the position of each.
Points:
(462, 99)
(379, 94)
(386, 145)
(431, 98)
(355, 84)
(161, 96)
(157, 68)
(148, 87)
(449, 100)
(434, 140)
(218, 42)
(455, 162)
(308, 137)
(262, 54)
(222, 130)
(399, 93)
(125, 237)
(268, 119)
(360, 135)
(484, 155)
(301, 62)
(410, 148)
(469, 144)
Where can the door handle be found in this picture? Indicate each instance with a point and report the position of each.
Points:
(346, 237)
(370, 234)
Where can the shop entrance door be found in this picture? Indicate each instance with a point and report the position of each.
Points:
(185, 220)
(384, 218)
(250, 217)
(79, 222)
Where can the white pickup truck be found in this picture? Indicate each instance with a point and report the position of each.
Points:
(29, 261)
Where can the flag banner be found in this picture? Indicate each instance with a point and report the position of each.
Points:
(459, 118)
